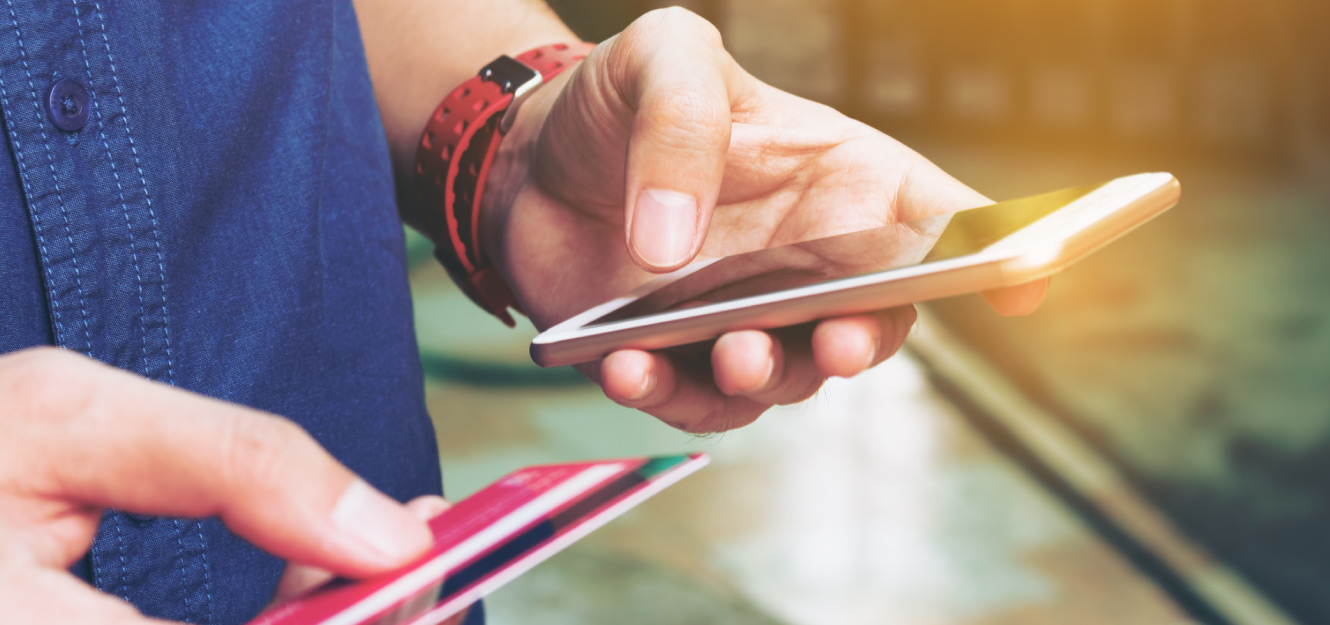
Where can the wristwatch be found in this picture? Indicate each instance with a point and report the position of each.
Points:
(454, 158)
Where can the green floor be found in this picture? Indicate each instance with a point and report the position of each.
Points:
(1195, 352)
(874, 503)
(1194, 355)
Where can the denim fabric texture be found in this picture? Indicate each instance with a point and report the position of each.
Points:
(225, 223)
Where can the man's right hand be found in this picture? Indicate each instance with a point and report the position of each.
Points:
(152, 449)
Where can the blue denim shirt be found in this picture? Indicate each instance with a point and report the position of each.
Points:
(223, 221)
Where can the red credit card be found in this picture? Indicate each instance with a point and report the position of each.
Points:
(489, 538)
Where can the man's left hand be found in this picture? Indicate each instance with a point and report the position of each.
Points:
(659, 149)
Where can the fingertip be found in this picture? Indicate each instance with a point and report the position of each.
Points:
(629, 377)
(682, 394)
(426, 507)
(1018, 300)
(745, 362)
(373, 532)
(847, 346)
(663, 229)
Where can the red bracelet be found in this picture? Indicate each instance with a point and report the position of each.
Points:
(454, 159)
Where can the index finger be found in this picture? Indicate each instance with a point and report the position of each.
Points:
(154, 449)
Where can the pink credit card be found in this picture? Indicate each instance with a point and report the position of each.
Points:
(489, 538)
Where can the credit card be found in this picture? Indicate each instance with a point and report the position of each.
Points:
(488, 539)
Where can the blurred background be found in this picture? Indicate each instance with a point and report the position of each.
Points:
(1152, 446)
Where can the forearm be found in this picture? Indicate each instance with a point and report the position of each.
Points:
(419, 50)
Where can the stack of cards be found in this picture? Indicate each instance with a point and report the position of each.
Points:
(489, 538)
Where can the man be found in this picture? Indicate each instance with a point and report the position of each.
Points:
(200, 196)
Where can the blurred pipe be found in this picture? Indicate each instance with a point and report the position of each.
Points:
(1089, 484)
(443, 367)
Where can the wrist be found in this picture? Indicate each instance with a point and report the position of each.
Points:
(512, 169)
(457, 155)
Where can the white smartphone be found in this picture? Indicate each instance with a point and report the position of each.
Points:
(1000, 245)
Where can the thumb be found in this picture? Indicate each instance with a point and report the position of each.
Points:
(676, 76)
(301, 578)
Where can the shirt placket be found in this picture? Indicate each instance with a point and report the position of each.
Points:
(70, 128)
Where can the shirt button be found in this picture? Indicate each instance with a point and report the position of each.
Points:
(67, 104)
(141, 519)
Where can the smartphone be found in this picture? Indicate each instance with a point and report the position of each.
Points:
(488, 539)
(1004, 244)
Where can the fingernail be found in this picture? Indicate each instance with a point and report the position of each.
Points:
(769, 376)
(664, 226)
(377, 529)
(648, 385)
(427, 507)
(872, 350)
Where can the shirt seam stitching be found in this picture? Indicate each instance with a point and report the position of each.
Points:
(55, 182)
(143, 183)
(56, 315)
(120, 191)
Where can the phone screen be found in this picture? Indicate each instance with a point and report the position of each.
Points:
(843, 256)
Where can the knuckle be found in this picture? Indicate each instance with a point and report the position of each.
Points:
(256, 448)
(39, 361)
(653, 404)
(668, 413)
(797, 393)
(715, 419)
(687, 115)
(49, 381)
(743, 415)
(673, 20)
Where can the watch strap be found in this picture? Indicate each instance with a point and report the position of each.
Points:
(454, 158)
